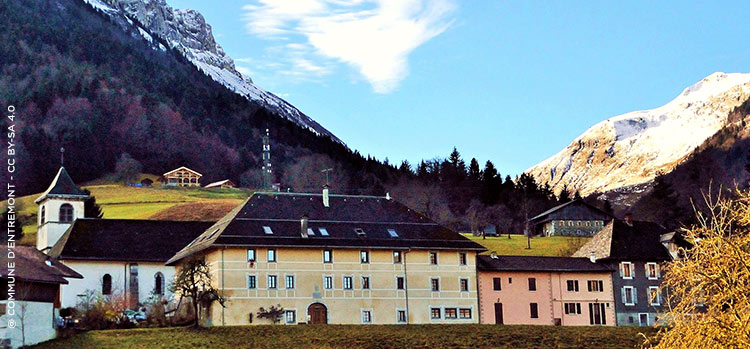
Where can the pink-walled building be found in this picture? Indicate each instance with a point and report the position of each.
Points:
(516, 290)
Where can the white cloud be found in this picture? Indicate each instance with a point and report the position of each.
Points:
(374, 36)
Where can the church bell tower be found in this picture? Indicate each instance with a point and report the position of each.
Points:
(59, 206)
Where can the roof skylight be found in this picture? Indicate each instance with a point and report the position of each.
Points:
(323, 231)
(267, 230)
(393, 233)
(359, 231)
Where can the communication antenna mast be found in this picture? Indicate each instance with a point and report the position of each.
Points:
(327, 171)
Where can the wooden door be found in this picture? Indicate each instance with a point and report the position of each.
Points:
(318, 313)
(499, 313)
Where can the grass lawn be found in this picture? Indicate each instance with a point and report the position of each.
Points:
(120, 201)
(540, 246)
(361, 336)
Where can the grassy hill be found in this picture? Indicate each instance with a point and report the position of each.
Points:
(360, 336)
(540, 246)
(121, 201)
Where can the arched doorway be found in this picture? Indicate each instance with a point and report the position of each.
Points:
(318, 313)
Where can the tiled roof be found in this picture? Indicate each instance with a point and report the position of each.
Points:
(62, 186)
(125, 239)
(620, 241)
(543, 264)
(34, 266)
(569, 203)
(282, 213)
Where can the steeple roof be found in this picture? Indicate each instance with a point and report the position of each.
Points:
(62, 186)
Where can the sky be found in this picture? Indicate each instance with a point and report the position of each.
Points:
(513, 82)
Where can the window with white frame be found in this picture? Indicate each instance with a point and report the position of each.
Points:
(251, 255)
(396, 257)
(451, 313)
(400, 315)
(435, 313)
(462, 258)
(652, 271)
(289, 282)
(252, 282)
(626, 270)
(464, 313)
(271, 255)
(629, 295)
(400, 283)
(365, 282)
(463, 284)
(435, 284)
(328, 282)
(290, 316)
(654, 296)
(364, 257)
(348, 283)
(327, 256)
(273, 281)
(367, 316)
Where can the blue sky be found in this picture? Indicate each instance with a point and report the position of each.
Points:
(508, 81)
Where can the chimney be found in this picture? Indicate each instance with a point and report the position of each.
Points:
(325, 196)
(303, 226)
(629, 219)
(387, 196)
(592, 257)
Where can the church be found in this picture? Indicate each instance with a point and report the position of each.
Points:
(117, 257)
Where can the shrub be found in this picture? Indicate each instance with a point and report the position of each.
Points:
(274, 313)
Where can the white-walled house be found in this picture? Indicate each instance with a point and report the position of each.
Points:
(122, 257)
(28, 309)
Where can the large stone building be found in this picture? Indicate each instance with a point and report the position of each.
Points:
(524, 290)
(635, 251)
(337, 259)
(573, 218)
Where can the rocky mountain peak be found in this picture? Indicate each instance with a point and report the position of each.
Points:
(631, 149)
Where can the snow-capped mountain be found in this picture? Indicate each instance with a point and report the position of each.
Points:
(187, 32)
(630, 150)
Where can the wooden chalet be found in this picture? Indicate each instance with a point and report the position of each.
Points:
(182, 177)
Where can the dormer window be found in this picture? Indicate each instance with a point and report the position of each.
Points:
(66, 213)
(267, 230)
(393, 233)
(359, 231)
(323, 231)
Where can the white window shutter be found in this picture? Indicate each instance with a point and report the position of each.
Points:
(621, 269)
(624, 300)
(658, 271)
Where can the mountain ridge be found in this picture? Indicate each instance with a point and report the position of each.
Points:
(630, 150)
(188, 32)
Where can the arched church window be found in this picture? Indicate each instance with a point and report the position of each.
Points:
(66, 213)
(159, 283)
(107, 284)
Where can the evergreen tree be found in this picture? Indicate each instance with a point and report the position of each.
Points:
(90, 208)
(491, 183)
(405, 168)
(475, 173)
(564, 195)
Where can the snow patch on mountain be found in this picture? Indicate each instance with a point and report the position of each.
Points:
(187, 32)
(631, 149)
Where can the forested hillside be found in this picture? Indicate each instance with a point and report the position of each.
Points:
(83, 83)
